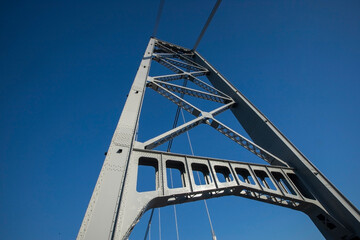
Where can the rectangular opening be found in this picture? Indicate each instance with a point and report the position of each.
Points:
(223, 174)
(175, 172)
(283, 183)
(201, 174)
(244, 176)
(147, 174)
(264, 179)
(300, 186)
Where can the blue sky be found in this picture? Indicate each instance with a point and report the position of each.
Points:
(66, 67)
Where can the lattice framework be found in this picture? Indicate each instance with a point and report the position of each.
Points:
(116, 206)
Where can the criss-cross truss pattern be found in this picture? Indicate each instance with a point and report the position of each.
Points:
(178, 61)
(287, 179)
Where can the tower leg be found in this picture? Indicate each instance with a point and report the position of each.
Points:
(102, 212)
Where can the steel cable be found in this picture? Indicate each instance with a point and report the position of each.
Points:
(161, 6)
(206, 207)
(207, 24)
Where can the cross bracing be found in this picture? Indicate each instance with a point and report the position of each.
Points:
(289, 180)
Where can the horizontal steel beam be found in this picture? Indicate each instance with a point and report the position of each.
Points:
(184, 64)
(193, 92)
(254, 181)
(168, 65)
(171, 77)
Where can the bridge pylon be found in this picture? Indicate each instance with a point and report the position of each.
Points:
(287, 179)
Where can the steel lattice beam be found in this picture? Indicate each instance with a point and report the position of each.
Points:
(290, 181)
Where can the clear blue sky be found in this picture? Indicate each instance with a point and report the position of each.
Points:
(66, 67)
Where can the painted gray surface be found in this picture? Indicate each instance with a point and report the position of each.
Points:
(116, 206)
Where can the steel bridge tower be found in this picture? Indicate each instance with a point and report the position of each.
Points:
(116, 206)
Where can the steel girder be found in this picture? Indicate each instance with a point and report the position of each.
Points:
(290, 180)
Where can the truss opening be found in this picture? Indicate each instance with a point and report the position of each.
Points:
(223, 174)
(283, 183)
(244, 176)
(157, 121)
(201, 174)
(147, 178)
(175, 172)
(264, 179)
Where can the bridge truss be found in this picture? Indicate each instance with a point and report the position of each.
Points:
(288, 179)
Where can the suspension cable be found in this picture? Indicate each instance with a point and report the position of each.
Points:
(176, 118)
(149, 224)
(178, 111)
(168, 150)
(206, 207)
(159, 225)
(161, 5)
(207, 24)
(175, 215)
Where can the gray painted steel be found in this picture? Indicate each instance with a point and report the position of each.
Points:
(290, 180)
